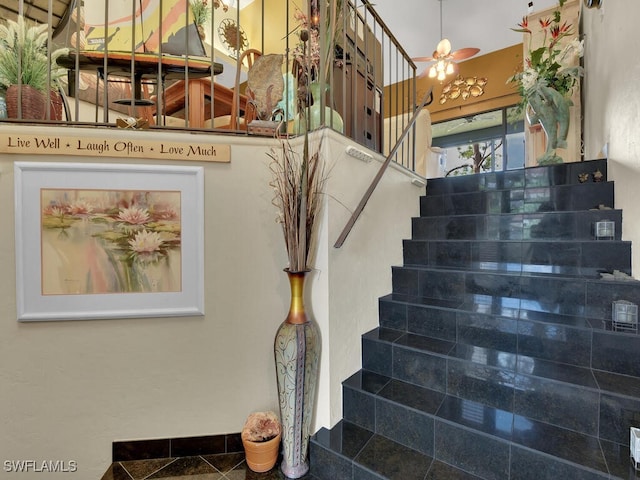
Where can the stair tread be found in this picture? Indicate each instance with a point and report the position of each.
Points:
(345, 438)
(381, 455)
(367, 381)
(413, 396)
(423, 343)
(619, 384)
(440, 471)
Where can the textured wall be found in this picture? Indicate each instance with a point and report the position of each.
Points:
(71, 388)
(612, 104)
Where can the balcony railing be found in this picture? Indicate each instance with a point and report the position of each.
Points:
(146, 64)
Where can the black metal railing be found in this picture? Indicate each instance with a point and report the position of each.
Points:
(153, 65)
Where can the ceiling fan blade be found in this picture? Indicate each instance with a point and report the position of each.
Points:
(423, 59)
(464, 53)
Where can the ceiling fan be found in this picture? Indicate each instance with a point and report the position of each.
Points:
(444, 59)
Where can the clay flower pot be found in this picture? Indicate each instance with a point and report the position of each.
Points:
(262, 456)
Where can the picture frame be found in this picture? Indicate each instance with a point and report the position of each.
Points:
(100, 241)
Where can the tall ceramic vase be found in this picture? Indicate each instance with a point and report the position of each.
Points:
(297, 354)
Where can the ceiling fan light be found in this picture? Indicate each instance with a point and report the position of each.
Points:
(432, 72)
(441, 75)
(450, 69)
(440, 66)
(444, 47)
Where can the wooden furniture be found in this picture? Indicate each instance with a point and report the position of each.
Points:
(229, 108)
(237, 117)
(358, 101)
(201, 92)
(357, 87)
(137, 69)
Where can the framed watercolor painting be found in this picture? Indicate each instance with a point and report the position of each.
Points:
(108, 241)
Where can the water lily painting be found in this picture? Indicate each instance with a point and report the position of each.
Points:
(108, 240)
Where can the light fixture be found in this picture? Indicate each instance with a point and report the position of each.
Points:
(444, 58)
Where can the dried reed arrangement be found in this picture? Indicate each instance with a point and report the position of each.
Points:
(298, 182)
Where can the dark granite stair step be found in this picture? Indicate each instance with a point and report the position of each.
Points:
(351, 452)
(567, 173)
(567, 295)
(424, 419)
(561, 198)
(564, 258)
(559, 442)
(384, 351)
(489, 322)
(516, 226)
(332, 451)
(438, 317)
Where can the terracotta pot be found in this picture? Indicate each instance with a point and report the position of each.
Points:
(262, 456)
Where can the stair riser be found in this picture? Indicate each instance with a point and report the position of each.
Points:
(326, 464)
(580, 297)
(556, 225)
(406, 426)
(531, 465)
(550, 199)
(563, 174)
(481, 455)
(566, 258)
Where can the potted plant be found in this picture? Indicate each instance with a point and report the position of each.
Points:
(547, 80)
(25, 63)
(261, 440)
(201, 15)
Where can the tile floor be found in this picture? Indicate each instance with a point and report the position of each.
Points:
(228, 466)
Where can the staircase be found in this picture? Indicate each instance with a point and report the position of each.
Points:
(495, 357)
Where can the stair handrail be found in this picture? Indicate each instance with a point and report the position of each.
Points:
(374, 183)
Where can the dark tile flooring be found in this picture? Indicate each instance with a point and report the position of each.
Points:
(228, 466)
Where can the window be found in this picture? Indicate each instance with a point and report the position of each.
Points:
(481, 142)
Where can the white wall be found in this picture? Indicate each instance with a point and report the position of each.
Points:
(612, 104)
(69, 389)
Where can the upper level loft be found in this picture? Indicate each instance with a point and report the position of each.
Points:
(211, 65)
(241, 67)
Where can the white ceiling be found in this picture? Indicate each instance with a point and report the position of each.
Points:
(484, 24)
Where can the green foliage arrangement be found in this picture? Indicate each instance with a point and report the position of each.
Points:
(24, 57)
